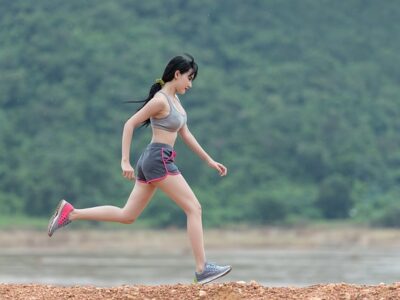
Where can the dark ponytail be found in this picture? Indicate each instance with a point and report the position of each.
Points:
(181, 63)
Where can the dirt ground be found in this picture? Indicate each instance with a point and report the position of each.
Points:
(227, 291)
(141, 240)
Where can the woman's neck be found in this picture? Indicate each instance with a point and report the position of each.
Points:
(169, 89)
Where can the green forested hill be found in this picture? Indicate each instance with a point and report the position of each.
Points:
(298, 98)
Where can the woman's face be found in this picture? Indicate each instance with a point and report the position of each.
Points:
(184, 81)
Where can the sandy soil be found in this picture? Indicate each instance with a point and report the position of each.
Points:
(228, 291)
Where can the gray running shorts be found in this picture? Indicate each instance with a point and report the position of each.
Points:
(156, 163)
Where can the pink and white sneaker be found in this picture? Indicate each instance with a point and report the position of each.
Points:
(60, 217)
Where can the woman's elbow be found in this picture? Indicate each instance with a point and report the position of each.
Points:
(129, 125)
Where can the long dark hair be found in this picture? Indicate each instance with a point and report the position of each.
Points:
(181, 63)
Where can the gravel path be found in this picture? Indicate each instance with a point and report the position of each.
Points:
(231, 291)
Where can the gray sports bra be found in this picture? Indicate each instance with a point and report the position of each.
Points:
(173, 122)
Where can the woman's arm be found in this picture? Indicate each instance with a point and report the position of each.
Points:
(152, 108)
(193, 144)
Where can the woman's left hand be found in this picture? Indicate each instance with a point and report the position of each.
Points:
(222, 170)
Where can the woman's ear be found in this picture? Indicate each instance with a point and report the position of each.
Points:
(177, 74)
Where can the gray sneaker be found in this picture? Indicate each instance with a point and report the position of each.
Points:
(211, 272)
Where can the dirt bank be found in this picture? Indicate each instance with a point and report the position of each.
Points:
(130, 239)
(231, 291)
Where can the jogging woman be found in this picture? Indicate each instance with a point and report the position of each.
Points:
(155, 168)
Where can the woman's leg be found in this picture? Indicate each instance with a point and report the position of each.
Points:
(176, 187)
(137, 201)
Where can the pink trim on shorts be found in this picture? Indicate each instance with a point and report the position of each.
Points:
(165, 166)
(142, 181)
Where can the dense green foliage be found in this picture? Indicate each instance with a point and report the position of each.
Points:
(298, 98)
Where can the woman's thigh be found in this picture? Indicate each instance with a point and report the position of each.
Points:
(139, 198)
(176, 187)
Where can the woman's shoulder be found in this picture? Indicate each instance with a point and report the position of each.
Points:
(158, 103)
(159, 99)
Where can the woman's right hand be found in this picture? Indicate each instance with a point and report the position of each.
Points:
(127, 170)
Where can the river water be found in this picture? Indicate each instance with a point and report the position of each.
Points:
(270, 267)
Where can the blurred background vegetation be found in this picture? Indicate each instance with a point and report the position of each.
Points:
(298, 98)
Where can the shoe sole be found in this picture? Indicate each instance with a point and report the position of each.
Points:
(207, 280)
(56, 216)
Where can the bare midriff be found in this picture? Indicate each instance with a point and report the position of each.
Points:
(164, 136)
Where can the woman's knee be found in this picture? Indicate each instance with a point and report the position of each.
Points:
(126, 218)
(194, 208)
(127, 221)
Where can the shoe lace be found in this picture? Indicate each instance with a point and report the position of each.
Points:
(64, 218)
(212, 267)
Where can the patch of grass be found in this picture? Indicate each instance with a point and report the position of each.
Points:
(29, 222)
(40, 223)
(22, 222)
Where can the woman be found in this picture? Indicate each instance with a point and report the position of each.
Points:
(155, 168)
